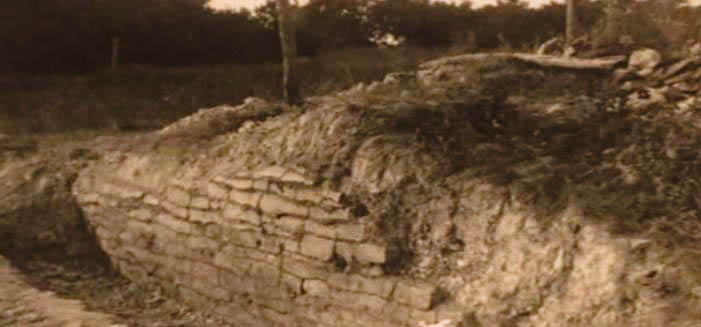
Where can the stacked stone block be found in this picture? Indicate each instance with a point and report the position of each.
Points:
(268, 248)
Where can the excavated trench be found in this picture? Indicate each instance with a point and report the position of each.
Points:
(428, 199)
(52, 270)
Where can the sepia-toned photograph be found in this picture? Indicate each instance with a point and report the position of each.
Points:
(350, 163)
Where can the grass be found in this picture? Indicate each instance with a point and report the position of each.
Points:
(136, 97)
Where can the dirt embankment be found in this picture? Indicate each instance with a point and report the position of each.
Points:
(494, 192)
(52, 271)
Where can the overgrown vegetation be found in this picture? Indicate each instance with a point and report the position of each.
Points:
(178, 56)
(147, 97)
(70, 36)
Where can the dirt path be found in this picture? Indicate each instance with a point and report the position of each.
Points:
(44, 286)
(41, 293)
(23, 305)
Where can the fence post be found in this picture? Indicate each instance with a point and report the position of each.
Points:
(115, 52)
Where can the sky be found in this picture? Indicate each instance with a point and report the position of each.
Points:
(236, 4)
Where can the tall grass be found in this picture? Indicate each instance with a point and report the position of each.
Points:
(148, 97)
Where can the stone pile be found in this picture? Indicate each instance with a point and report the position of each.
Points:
(651, 81)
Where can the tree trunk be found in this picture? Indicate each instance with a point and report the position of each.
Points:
(289, 52)
(571, 22)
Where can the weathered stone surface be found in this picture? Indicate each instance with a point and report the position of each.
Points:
(291, 283)
(206, 281)
(236, 212)
(317, 247)
(280, 306)
(217, 192)
(644, 61)
(273, 317)
(237, 183)
(345, 251)
(141, 214)
(265, 273)
(178, 197)
(261, 184)
(294, 177)
(202, 216)
(245, 198)
(289, 226)
(176, 210)
(233, 259)
(192, 297)
(291, 245)
(152, 200)
(351, 232)
(232, 281)
(276, 205)
(695, 50)
(396, 311)
(200, 202)
(202, 248)
(677, 67)
(275, 172)
(132, 271)
(270, 245)
(303, 194)
(103, 233)
(360, 302)
(381, 287)
(303, 268)
(315, 228)
(120, 191)
(90, 198)
(316, 288)
(173, 223)
(417, 295)
(679, 78)
(371, 253)
(330, 216)
(244, 238)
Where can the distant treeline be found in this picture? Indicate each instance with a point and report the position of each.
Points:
(58, 36)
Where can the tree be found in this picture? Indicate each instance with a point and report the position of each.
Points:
(332, 24)
(288, 44)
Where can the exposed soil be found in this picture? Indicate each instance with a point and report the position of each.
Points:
(42, 293)
(44, 285)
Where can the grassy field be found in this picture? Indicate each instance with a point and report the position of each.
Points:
(146, 97)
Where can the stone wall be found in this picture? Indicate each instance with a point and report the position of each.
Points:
(267, 248)
(414, 201)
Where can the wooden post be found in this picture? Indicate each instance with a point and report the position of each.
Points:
(570, 23)
(613, 16)
(115, 53)
(289, 52)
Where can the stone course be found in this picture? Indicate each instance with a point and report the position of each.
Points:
(261, 256)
